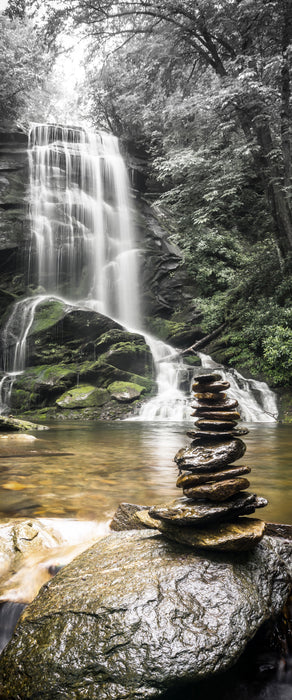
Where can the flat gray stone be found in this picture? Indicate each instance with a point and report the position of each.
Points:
(136, 613)
(204, 437)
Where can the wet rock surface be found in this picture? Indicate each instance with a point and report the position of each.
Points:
(79, 359)
(208, 476)
(206, 458)
(217, 491)
(136, 613)
(236, 536)
(189, 479)
(184, 511)
(123, 517)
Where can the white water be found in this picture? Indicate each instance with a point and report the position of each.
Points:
(170, 403)
(83, 252)
(257, 403)
(81, 219)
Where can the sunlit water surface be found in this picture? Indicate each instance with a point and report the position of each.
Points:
(81, 472)
(84, 470)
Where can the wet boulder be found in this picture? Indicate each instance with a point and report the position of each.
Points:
(69, 347)
(136, 613)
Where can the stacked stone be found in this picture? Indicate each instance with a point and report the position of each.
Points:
(215, 495)
(208, 474)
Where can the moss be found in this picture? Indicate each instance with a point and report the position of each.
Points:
(47, 315)
(125, 391)
(131, 354)
(286, 406)
(112, 337)
(162, 327)
(21, 400)
(121, 386)
(83, 396)
(192, 360)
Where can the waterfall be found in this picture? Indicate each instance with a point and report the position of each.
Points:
(83, 252)
(81, 219)
(171, 402)
(82, 249)
(257, 402)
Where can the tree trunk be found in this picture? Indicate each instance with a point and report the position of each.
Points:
(274, 178)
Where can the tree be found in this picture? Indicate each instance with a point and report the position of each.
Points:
(16, 8)
(24, 68)
(247, 45)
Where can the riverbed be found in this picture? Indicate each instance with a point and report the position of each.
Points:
(84, 470)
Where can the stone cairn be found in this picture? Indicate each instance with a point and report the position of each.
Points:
(210, 513)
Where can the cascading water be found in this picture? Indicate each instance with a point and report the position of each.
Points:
(170, 403)
(83, 252)
(82, 248)
(81, 220)
(256, 400)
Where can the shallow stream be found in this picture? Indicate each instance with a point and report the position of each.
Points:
(84, 470)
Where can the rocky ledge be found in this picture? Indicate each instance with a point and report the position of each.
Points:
(136, 613)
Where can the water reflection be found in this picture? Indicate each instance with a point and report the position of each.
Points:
(85, 470)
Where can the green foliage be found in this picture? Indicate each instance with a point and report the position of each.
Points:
(258, 317)
(24, 65)
(16, 8)
(277, 352)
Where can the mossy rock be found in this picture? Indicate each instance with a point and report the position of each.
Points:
(9, 424)
(47, 377)
(125, 392)
(83, 396)
(185, 337)
(114, 336)
(103, 374)
(192, 360)
(134, 354)
(47, 314)
(22, 400)
(162, 327)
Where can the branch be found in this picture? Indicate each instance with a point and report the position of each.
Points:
(199, 344)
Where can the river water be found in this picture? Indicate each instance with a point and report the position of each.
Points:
(84, 470)
(80, 472)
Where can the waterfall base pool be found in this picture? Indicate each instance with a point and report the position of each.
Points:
(84, 470)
